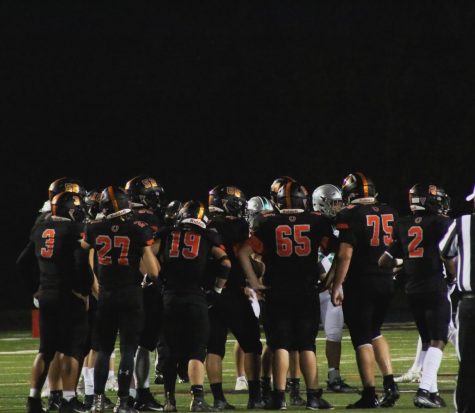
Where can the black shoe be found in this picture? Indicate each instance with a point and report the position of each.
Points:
(435, 397)
(288, 384)
(391, 395)
(34, 405)
(423, 399)
(159, 379)
(200, 405)
(316, 402)
(266, 393)
(54, 401)
(109, 404)
(72, 406)
(365, 403)
(278, 402)
(122, 406)
(339, 386)
(170, 403)
(296, 399)
(88, 401)
(146, 402)
(253, 404)
(221, 405)
(98, 403)
(183, 379)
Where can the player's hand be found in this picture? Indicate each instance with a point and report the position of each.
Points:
(212, 297)
(146, 282)
(337, 295)
(84, 298)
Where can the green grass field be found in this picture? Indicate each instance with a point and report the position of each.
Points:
(17, 351)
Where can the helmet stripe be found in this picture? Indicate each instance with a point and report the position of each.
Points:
(110, 190)
(365, 184)
(288, 192)
(201, 211)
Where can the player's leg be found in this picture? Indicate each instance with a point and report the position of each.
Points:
(241, 381)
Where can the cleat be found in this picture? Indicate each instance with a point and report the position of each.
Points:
(54, 401)
(435, 397)
(315, 402)
(108, 403)
(122, 406)
(145, 402)
(72, 406)
(409, 377)
(34, 405)
(80, 387)
(364, 404)
(220, 405)
(339, 386)
(241, 384)
(88, 401)
(256, 404)
(98, 403)
(295, 398)
(200, 405)
(266, 392)
(278, 402)
(391, 395)
(422, 399)
(159, 379)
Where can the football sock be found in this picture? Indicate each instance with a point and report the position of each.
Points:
(430, 368)
(417, 365)
(217, 390)
(369, 393)
(198, 392)
(434, 388)
(254, 389)
(126, 370)
(89, 382)
(101, 369)
(142, 368)
(333, 374)
(422, 357)
(133, 393)
(35, 393)
(69, 394)
(388, 380)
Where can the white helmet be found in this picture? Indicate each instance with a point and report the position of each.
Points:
(255, 206)
(327, 199)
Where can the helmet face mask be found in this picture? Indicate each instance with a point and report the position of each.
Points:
(276, 185)
(292, 196)
(327, 199)
(228, 199)
(255, 206)
(92, 203)
(68, 205)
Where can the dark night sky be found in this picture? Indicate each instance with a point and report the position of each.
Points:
(201, 94)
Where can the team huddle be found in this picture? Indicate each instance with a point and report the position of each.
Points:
(176, 277)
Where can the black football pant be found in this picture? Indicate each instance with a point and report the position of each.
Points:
(120, 311)
(465, 394)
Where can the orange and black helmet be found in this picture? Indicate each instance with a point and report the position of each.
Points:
(356, 186)
(292, 195)
(68, 205)
(145, 190)
(193, 213)
(227, 198)
(276, 185)
(114, 199)
(65, 185)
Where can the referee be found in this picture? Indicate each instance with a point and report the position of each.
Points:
(457, 246)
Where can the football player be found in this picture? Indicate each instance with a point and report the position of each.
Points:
(233, 310)
(366, 230)
(288, 241)
(417, 244)
(65, 282)
(184, 250)
(327, 200)
(123, 246)
(147, 200)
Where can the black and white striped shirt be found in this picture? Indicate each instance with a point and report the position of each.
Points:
(457, 242)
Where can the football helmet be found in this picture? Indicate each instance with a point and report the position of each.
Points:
(92, 200)
(292, 195)
(114, 202)
(429, 198)
(276, 185)
(68, 205)
(194, 213)
(229, 199)
(327, 199)
(66, 185)
(358, 188)
(171, 212)
(255, 206)
(144, 190)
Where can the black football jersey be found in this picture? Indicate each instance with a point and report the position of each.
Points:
(233, 231)
(62, 262)
(119, 247)
(185, 252)
(417, 243)
(289, 245)
(370, 230)
(149, 217)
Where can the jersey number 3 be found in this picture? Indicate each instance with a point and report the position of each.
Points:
(291, 239)
(48, 234)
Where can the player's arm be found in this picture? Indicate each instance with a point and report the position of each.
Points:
(151, 266)
(224, 267)
(244, 256)
(343, 259)
(24, 265)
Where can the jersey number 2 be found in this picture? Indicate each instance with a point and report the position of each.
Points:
(119, 242)
(413, 248)
(292, 239)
